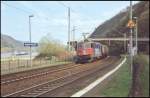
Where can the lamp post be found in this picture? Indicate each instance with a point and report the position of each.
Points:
(68, 28)
(30, 39)
(136, 35)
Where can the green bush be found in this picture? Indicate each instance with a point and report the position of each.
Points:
(49, 47)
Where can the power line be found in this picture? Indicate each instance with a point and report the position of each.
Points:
(16, 7)
(67, 6)
(36, 13)
(25, 11)
(29, 12)
(72, 10)
(62, 4)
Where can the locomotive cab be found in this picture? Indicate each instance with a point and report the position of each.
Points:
(87, 51)
(83, 52)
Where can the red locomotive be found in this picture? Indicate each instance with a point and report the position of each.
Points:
(90, 51)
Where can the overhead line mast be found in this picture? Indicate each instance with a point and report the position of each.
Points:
(68, 28)
(131, 40)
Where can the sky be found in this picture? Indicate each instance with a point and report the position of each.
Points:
(51, 18)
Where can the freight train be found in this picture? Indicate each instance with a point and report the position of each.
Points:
(90, 51)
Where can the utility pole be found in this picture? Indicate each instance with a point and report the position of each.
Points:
(73, 33)
(68, 28)
(136, 35)
(30, 39)
(131, 40)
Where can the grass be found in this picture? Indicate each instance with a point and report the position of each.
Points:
(143, 61)
(9, 49)
(3, 49)
(120, 83)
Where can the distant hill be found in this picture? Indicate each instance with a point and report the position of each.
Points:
(8, 41)
(116, 26)
(8, 44)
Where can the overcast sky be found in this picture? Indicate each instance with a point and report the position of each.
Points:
(50, 17)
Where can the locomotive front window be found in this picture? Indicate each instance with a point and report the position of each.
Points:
(80, 45)
(84, 45)
(92, 45)
(87, 45)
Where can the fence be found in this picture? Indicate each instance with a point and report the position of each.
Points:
(12, 66)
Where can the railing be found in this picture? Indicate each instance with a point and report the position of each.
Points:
(12, 66)
(117, 39)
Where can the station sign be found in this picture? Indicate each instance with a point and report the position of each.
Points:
(30, 44)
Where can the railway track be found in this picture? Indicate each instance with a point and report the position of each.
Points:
(37, 74)
(14, 79)
(41, 89)
(25, 83)
(14, 76)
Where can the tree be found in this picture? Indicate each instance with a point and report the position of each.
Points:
(49, 47)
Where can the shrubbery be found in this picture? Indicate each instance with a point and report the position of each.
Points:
(49, 47)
